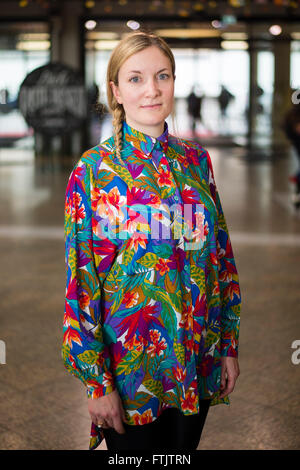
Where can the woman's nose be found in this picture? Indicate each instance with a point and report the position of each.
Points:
(152, 88)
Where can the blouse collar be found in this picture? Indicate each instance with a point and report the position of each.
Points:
(145, 142)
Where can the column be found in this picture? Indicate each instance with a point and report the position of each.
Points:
(252, 104)
(66, 48)
(282, 92)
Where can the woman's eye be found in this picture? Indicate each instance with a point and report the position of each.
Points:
(166, 75)
(132, 79)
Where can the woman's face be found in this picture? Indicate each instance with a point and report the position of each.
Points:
(145, 79)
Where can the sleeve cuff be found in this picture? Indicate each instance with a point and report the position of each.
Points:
(100, 386)
(229, 351)
(229, 347)
(229, 337)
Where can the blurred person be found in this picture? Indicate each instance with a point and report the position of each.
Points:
(194, 104)
(6, 104)
(151, 320)
(224, 98)
(258, 107)
(291, 126)
(258, 91)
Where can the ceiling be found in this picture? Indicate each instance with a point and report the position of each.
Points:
(183, 23)
(203, 10)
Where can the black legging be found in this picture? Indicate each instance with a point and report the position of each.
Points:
(171, 430)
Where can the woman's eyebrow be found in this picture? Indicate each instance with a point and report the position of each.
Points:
(138, 71)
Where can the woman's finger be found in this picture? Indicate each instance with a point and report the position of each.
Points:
(118, 424)
(230, 384)
(109, 421)
(223, 378)
(123, 415)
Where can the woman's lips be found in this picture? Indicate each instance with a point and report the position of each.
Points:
(154, 106)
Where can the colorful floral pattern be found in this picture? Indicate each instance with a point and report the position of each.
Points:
(152, 297)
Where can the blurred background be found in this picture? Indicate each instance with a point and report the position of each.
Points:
(237, 92)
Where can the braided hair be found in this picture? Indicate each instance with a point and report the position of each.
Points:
(118, 117)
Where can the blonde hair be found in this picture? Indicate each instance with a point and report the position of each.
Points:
(131, 44)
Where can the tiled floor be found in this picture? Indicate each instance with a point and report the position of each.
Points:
(43, 407)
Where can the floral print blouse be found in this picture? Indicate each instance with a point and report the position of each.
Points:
(152, 296)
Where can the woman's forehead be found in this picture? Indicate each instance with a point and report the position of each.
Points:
(151, 58)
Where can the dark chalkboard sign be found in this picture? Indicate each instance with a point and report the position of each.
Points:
(53, 99)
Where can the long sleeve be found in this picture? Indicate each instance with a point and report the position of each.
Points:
(228, 277)
(84, 352)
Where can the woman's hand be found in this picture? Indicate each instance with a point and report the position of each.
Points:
(108, 411)
(229, 373)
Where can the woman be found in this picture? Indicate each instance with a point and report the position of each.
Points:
(152, 302)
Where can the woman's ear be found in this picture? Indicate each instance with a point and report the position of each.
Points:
(115, 91)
